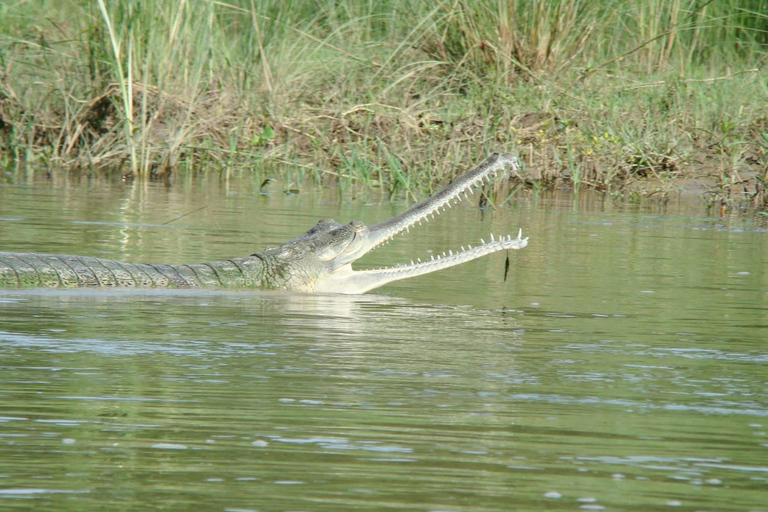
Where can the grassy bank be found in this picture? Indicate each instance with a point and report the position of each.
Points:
(626, 97)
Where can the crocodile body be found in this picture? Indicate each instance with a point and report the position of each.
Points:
(62, 270)
(318, 261)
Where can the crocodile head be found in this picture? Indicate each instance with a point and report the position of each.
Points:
(321, 259)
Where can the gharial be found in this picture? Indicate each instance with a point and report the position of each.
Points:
(318, 261)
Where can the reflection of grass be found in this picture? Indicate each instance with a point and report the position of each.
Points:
(393, 94)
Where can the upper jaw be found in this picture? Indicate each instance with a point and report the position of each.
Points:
(446, 198)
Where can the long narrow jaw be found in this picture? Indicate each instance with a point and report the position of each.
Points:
(346, 280)
(446, 198)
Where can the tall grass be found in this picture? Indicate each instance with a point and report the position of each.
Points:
(123, 72)
(392, 93)
(552, 37)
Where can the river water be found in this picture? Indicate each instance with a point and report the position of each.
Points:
(621, 366)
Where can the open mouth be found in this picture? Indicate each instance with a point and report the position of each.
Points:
(450, 196)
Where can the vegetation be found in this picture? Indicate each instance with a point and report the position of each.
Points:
(620, 96)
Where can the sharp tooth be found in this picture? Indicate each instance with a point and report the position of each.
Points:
(411, 262)
(462, 248)
(470, 247)
(482, 241)
(432, 257)
(492, 239)
(466, 196)
(520, 234)
(418, 260)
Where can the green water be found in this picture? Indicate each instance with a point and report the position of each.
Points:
(621, 366)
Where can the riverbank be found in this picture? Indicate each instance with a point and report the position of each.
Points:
(642, 100)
